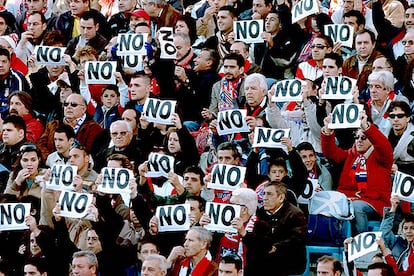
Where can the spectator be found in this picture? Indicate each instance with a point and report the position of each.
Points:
(16, 63)
(20, 104)
(64, 138)
(110, 110)
(154, 265)
(371, 152)
(84, 263)
(35, 267)
(242, 48)
(161, 12)
(328, 265)
(380, 269)
(119, 22)
(230, 265)
(207, 18)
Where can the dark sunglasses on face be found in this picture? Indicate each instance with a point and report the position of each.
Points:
(399, 115)
(320, 47)
(362, 137)
(72, 104)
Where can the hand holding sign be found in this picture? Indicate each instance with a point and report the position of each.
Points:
(342, 33)
(159, 111)
(221, 216)
(12, 216)
(269, 137)
(226, 177)
(287, 90)
(100, 72)
(346, 116)
(363, 244)
(338, 87)
(403, 186)
(304, 8)
(159, 165)
(166, 39)
(232, 121)
(248, 31)
(48, 55)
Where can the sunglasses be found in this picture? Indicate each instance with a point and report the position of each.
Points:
(399, 115)
(72, 104)
(122, 133)
(28, 147)
(362, 137)
(320, 47)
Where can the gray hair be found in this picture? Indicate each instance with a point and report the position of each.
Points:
(184, 37)
(121, 122)
(247, 197)
(203, 234)
(162, 261)
(386, 77)
(161, 3)
(91, 257)
(257, 77)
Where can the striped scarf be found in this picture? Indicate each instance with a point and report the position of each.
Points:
(228, 92)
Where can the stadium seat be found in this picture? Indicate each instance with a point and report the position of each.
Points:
(374, 225)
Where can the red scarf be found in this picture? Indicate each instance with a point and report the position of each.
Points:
(228, 92)
(198, 270)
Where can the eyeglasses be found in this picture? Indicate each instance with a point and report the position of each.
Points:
(362, 137)
(398, 115)
(407, 42)
(122, 133)
(376, 86)
(28, 147)
(72, 104)
(380, 68)
(320, 47)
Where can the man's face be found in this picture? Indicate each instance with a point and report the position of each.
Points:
(126, 5)
(271, 199)
(218, 3)
(16, 107)
(226, 157)
(55, 70)
(31, 270)
(109, 98)
(150, 8)
(75, 107)
(254, 94)
(276, 173)
(238, 48)
(195, 211)
(79, 158)
(131, 117)
(228, 270)
(330, 68)
(320, 48)
(120, 136)
(35, 25)
(4, 65)
(181, 46)
(62, 143)
(261, 8)
(224, 22)
(398, 124)
(380, 64)
(78, 7)
(378, 91)
(88, 28)
(408, 42)
(192, 183)
(352, 21)
(192, 244)
(409, 18)
(308, 158)
(146, 250)
(348, 5)
(272, 23)
(3, 26)
(151, 268)
(139, 89)
(80, 267)
(231, 69)
(361, 141)
(12, 135)
(202, 61)
(326, 269)
(364, 45)
(94, 244)
(36, 5)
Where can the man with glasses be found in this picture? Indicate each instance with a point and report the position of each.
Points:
(88, 132)
(401, 63)
(312, 69)
(365, 177)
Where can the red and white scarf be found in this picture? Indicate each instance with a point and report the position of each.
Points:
(198, 270)
(228, 92)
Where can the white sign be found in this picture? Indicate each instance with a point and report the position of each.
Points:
(309, 191)
(289, 90)
(221, 216)
(133, 62)
(74, 205)
(339, 87)
(131, 44)
(403, 186)
(304, 8)
(269, 137)
(61, 177)
(13, 215)
(159, 111)
(226, 177)
(159, 165)
(100, 72)
(362, 244)
(248, 31)
(173, 217)
(49, 55)
(232, 121)
(342, 33)
(346, 116)
(166, 39)
(115, 180)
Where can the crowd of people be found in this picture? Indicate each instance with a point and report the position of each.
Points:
(52, 115)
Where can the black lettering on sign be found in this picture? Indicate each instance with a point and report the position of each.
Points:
(228, 215)
(362, 242)
(293, 87)
(161, 109)
(265, 134)
(230, 119)
(49, 54)
(132, 61)
(112, 176)
(100, 70)
(369, 240)
(308, 191)
(70, 201)
(338, 32)
(8, 215)
(166, 35)
(247, 29)
(406, 186)
(339, 114)
(333, 84)
(231, 174)
(301, 6)
(131, 42)
(171, 213)
(64, 174)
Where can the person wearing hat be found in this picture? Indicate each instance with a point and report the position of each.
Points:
(119, 22)
(20, 103)
(9, 42)
(136, 17)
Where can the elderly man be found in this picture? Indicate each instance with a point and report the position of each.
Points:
(84, 263)
(123, 143)
(20, 103)
(194, 257)
(154, 265)
(86, 129)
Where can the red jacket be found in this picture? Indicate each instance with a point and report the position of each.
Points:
(379, 164)
(34, 128)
